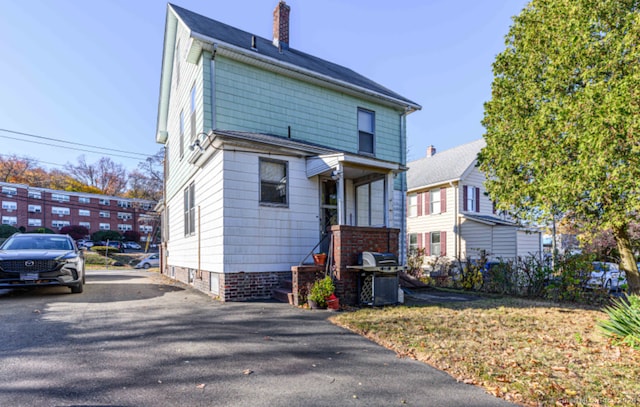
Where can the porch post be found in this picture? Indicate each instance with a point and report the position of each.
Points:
(340, 190)
(389, 220)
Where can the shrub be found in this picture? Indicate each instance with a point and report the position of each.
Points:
(7, 230)
(624, 321)
(320, 290)
(103, 249)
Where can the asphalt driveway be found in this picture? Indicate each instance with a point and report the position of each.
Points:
(135, 339)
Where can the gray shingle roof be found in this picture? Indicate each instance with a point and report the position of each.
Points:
(242, 39)
(448, 165)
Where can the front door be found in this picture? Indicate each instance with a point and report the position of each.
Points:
(328, 210)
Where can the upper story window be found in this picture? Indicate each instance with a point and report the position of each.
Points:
(105, 226)
(84, 199)
(366, 131)
(34, 222)
(124, 228)
(178, 57)
(35, 208)
(124, 204)
(9, 206)
(104, 214)
(273, 182)
(84, 212)
(9, 191)
(34, 194)
(85, 224)
(60, 197)
(59, 224)
(56, 210)
(193, 112)
(124, 215)
(104, 201)
(435, 201)
(471, 198)
(413, 205)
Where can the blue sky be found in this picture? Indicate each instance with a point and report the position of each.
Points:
(88, 72)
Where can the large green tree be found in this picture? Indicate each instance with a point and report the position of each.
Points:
(562, 125)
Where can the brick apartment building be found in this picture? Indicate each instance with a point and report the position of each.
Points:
(33, 207)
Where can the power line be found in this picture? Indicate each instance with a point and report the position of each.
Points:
(70, 142)
(72, 148)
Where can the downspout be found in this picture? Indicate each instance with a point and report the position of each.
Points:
(403, 184)
(213, 86)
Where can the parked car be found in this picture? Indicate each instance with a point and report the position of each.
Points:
(85, 244)
(34, 260)
(153, 260)
(606, 275)
(132, 245)
(115, 243)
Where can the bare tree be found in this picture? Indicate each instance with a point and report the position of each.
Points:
(148, 180)
(105, 175)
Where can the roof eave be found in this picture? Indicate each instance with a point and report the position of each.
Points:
(170, 30)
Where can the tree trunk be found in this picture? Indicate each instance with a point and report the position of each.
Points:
(627, 261)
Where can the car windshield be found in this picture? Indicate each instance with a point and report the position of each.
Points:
(34, 242)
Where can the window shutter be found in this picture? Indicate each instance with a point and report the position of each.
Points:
(427, 203)
(443, 243)
(493, 207)
(477, 199)
(419, 240)
(464, 198)
(427, 246)
(419, 204)
(443, 200)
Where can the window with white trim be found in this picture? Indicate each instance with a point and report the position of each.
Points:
(146, 228)
(274, 175)
(124, 215)
(190, 210)
(85, 224)
(105, 226)
(58, 210)
(84, 212)
(471, 198)
(59, 224)
(34, 208)
(413, 244)
(9, 205)
(366, 131)
(34, 194)
(84, 199)
(435, 244)
(9, 191)
(124, 204)
(413, 205)
(435, 200)
(9, 220)
(104, 214)
(124, 228)
(34, 222)
(60, 197)
(104, 201)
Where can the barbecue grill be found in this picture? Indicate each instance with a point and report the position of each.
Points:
(378, 279)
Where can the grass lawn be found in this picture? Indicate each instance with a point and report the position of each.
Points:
(529, 352)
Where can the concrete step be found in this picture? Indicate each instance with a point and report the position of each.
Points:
(281, 294)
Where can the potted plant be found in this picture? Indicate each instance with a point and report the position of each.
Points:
(320, 259)
(319, 292)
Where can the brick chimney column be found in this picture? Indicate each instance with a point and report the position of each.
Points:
(431, 151)
(281, 25)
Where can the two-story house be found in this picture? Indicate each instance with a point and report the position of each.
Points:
(449, 213)
(267, 149)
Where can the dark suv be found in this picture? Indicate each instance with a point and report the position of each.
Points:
(35, 259)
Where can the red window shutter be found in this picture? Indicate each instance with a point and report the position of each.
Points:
(443, 199)
(420, 204)
(427, 203)
(427, 246)
(443, 243)
(464, 198)
(477, 200)
(419, 240)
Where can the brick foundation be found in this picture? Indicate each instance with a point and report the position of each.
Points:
(239, 286)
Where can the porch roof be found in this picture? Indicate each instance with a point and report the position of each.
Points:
(354, 166)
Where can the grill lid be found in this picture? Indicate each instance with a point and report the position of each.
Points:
(376, 259)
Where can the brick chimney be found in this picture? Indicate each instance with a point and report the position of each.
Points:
(281, 25)
(431, 151)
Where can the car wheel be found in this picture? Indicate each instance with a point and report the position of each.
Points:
(607, 285)
(77, 289)
(146, 265)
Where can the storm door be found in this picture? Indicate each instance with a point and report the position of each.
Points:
(328, 210)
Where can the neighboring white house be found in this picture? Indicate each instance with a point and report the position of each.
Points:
(266, 147)
(449, 214)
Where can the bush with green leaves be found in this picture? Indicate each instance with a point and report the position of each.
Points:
(320, 290)
(105, 249)
(623, 324)
(7, 230)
